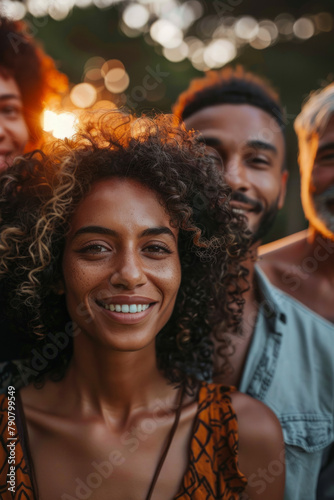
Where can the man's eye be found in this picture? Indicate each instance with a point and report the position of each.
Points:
(214, 155)
(259, 160)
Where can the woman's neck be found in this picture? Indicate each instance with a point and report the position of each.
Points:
(115, 381)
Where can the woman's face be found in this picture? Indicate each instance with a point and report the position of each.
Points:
(13, 128)
(121, 265)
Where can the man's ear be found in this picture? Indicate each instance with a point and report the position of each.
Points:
(281, 198)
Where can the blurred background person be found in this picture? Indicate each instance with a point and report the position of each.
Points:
(302, 265)
(28, 80)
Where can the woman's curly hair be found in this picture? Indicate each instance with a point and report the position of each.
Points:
(42, 190)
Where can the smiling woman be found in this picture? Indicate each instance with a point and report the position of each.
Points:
(120, 255)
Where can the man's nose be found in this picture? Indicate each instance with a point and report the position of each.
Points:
(128, 271)
(236, 174)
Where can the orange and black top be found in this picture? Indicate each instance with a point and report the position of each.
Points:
(212, 471)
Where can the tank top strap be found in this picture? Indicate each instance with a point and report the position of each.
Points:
(218, 433)
(12, 455)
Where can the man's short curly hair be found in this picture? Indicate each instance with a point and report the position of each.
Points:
(229, 86)
(34, 72)
(42, 190)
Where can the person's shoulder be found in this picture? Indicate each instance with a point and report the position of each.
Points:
(282, 255)
(261, 446)
(280, 260)
(256, 421)
(283, 247)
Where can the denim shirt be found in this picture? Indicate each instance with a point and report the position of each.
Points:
(290, 367)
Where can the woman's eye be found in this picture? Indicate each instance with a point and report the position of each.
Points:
(157, 249)
(11, 111)
(94, 249)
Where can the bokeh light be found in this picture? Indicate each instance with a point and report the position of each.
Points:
(111, 64)
(94, 63)
(166, 34)
(83, 3)
(246, 28)
(263, 39)
(303, 28)
(104, 104)
(83, 95)
(324, 21)
(135, 16)
(93, 75)
(177, 54)
(117, 80)
(59, 9)
(270, 27)
(193, 44)
(38, 8)
(197, 59)
(219, 52)
(284, 23)
(14, 10)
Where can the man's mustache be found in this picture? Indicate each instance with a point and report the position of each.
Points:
(257, 206)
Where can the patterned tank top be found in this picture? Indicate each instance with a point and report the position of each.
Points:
(212, 471)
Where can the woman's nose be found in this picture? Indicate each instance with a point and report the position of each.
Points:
(128, 271)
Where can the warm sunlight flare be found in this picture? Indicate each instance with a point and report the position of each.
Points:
(60, 125)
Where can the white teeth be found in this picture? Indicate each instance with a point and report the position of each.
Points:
(127, 308)
(238, 210)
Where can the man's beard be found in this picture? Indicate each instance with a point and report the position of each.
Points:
(268, 216)
(266, 222)
(324, 207)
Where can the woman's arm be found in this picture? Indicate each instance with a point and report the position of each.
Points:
(261, 449)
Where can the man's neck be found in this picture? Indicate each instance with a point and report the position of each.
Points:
(231, 360)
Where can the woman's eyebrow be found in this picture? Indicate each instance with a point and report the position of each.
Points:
(156, 231)
(95, 230)
(151, 231)
(4, 97)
